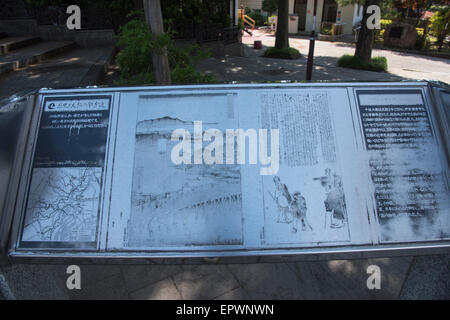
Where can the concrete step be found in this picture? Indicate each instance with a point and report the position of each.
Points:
(33, 54)
(99, 69)
(9, 44)
(75, 68)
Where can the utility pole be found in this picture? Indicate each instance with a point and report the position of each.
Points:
(312, 40)
(154, 19)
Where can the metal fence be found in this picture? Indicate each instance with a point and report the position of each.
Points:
(203, 32)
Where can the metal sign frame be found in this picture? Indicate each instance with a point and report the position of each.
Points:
(106, 254)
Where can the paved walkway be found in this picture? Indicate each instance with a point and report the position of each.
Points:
(253, 67)
(425, 277)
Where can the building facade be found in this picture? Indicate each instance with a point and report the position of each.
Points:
(327, 11)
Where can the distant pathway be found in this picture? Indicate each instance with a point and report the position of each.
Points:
(253, 67)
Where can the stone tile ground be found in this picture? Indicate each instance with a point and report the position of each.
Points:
(420, 277)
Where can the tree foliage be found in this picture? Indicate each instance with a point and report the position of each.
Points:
(270, 6)
(440, 23)
(198, 11)
(135, 58)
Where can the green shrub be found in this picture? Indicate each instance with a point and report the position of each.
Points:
(439, 23)
(376, 64)
(260, 20)
(423, 42)
(135, 58)
(240, 23)
(285, 53)
(384, 23)
(326, 29)
(270, 6)
(188, 75)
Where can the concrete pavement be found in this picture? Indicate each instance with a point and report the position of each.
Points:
(423, 277)
(253, 67)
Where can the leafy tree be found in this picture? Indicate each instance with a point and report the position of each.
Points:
(198, 11)
(257, 16)
(270, 6)
(136, 62)
(440, 23)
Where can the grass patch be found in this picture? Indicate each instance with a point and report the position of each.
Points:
(285, 53)
(376, 64)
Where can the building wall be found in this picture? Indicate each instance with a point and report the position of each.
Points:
(309, 15)
(347, 18)
(252, 4)
(351, 14)
(234, 7)
(291, 6)
(347, 15)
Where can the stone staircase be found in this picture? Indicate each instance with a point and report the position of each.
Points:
(27, 63)
(16, 53)
(8, 44)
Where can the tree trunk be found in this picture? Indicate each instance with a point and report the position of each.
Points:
(154, 19)
(282, 36)
(366, 36)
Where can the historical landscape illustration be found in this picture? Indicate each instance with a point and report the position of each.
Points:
(186, 204)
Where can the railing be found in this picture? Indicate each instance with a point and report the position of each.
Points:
(230, 35)
(208, 32)
(249, 21)
(182, 29)
(204, 32)
(246, 19)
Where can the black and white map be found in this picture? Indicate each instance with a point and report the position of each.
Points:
(63, 205)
